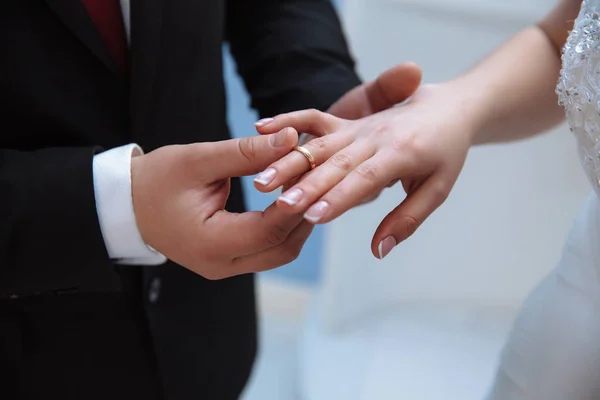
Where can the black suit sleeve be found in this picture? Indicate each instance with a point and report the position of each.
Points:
(292, 54)
(50, 239)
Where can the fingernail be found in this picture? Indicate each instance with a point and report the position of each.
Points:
(386, 246)
(316, 211)
(278, 139)
(263, 122)
(266, 177)
(291, 197)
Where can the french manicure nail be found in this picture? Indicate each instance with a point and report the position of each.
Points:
(278, 139)
(266, 177)
(263, 122)
(291, 197)
(386, 246)
(316, 211)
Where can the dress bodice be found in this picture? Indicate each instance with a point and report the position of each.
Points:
(578, 87)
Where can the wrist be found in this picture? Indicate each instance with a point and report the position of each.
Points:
(113, 191)
(472, 107)
(137, 194)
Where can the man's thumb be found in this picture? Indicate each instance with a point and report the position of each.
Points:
(393, 86)
(247, 156)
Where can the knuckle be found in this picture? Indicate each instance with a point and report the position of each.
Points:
(413, 150)
(290, 253)
(407, 142)
(368, 171)
(440, 192)
(419, 147)
(248, 147)
(381, 130)
(316, 144)
(314, 113)
(213, 275)
(209, 264)
(276, 235)
(294, 253)
(341, 161)
(399, 144)
(409, 225)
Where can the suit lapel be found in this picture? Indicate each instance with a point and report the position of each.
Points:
(75, 17)
(146, 28)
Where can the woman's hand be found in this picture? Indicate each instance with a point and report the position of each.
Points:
(393, 86)
(422, 143)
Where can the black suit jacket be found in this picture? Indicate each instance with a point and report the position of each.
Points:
(73, 324)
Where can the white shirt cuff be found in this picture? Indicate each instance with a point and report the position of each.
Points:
(114, 205)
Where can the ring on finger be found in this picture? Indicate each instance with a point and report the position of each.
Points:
(309, 157)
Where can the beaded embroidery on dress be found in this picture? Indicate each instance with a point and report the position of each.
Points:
(579, 87)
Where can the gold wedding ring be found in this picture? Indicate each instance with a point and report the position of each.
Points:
(307, 155)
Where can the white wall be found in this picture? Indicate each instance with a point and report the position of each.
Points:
(502, 228)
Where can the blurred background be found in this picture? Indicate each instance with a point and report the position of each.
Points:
(429, 321)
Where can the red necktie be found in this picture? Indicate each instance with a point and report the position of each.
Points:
(108, 18)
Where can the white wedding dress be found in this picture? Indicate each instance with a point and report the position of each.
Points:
(553, 352)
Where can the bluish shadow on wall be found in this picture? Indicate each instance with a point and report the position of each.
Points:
(241, 119)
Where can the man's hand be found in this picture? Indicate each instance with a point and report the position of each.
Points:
(391, 87)
(179, 195)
